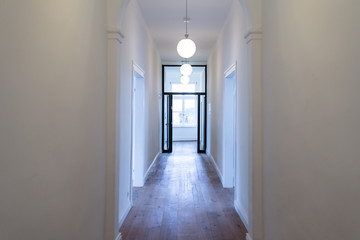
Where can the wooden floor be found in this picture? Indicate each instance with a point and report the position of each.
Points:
(183, 199)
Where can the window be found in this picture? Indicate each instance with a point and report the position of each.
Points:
(182, 88)
(184, 111)
(172, 82)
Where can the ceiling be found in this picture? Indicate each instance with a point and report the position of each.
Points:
(165, 20)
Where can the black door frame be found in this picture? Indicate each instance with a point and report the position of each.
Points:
(170, 94)
(169, 111)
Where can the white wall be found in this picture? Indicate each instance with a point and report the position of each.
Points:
(184, 133)
(137, 47)
(230, 48)
(312, 116)
(52, 119)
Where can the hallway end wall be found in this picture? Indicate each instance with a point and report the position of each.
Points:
(312, 116)
(52, 119)
(230, 49)
(138, 47)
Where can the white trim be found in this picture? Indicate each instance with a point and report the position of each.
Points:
(118, 237)
(114, 33)
(216, 167)
(230, 70)
(124, 215)
(253, 34)
(248, 237)
(180, 62)
(242, 213)
(230, 100)
(152, 164)
(138, 69)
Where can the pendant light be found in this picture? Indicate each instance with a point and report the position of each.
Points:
(184, 80)
(186, 47)
(186, 69)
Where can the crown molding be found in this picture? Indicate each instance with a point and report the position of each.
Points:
(114, 33)
(253, 34)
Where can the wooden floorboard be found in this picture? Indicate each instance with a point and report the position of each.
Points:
(183, 199)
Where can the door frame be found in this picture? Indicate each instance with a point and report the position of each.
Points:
(170, 108)
(199, 123)
(229, 163)
(183, 99)
(137, 73)
(169, 111)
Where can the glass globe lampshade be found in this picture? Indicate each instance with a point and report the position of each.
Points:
(186, 48)
(184, 80)
(186, 69)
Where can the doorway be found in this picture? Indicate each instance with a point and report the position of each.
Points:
(138, 127)
(184, 107)
(229, 129)
(184, 117)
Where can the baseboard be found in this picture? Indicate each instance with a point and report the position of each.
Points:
(248, 237)
(152, 164)
(118, 237)
(242, 213)
(124, 215)
(184, 140)
(216, 167)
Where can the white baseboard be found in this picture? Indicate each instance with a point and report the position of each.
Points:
(248, 237)
(118, 237)
(152, 164)
(242, 213)
(124, 215)
(216, 167)
(184, 139)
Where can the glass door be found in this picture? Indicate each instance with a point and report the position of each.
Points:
(201, 124)
(184, 107)
(167, 124)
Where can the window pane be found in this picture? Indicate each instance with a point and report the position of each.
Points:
(202, 123)
(189, 111)
(172, 82)
(176, 118)
(188, 88)
(176, 87)
(189, 105)
(184, 111)
(183, 88)
(177, 105)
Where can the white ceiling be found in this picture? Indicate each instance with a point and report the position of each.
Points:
(165, 20)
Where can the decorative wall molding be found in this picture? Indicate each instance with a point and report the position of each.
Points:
(242, 213)
(248, 237)
(253, 34)
(114, 33)
(152, 164)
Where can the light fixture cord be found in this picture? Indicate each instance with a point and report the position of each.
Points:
(186, 21)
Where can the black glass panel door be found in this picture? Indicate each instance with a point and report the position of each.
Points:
(201, 124)
(167, 124)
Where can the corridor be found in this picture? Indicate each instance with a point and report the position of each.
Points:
(183, 199)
